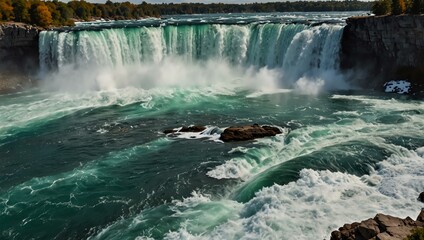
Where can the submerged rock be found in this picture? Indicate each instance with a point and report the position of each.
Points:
(186, 129)
(381, 227)
(244, 133)
(193, 129)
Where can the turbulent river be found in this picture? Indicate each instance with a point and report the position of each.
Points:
(83, 156)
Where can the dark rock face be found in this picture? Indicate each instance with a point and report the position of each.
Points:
(380, 47)
(18, 35)
(18, 55)
(381, 227)
(244, 133)
(421, 197)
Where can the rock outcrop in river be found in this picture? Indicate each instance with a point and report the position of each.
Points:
(244, 133)
(232, 134)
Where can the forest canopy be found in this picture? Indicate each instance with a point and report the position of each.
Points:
(397, 7)
(56, 13)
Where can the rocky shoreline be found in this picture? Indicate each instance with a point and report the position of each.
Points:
(381, 227)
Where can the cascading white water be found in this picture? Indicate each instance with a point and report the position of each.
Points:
(295, 48)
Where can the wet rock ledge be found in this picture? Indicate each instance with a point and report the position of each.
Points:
(381, 227)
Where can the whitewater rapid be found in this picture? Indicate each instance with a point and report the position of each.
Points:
(84, 156)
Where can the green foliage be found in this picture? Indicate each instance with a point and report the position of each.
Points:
(417, 234)
(299, 6)
(20, 10)
(82, 9)
(54, 12)
(382, 7)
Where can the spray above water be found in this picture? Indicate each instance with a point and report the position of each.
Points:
(258, 56)
(172, 72)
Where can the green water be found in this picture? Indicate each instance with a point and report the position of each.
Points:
(96, 165)
(83, 156)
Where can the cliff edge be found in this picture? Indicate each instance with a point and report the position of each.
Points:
(384, 48)
(18, 55)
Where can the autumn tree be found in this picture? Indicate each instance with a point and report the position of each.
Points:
(6, 10)
(40, 14)
(398, 7)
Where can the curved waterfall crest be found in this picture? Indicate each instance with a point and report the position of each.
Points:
(295, 50)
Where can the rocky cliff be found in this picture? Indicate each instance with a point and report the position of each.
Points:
(384, 48)
(18, 55)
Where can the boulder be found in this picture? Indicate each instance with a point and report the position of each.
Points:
(368, 229)
(231, 134)
(245, 133)
(381, 227)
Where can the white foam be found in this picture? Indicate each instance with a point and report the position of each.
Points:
(268, 92)
(397, 86)
(384, 104)
(321, 201)
(212, 133)
(192, 201)
(298, 142)
(102, 131)
(44, 107)
(347, 113)
(254, 160)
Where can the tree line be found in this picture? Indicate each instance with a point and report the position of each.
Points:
(54, 12)
(397, 7)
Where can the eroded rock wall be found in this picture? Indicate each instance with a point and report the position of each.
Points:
(380, 47)
(18, 55)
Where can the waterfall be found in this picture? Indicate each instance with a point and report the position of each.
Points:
(298, 50)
